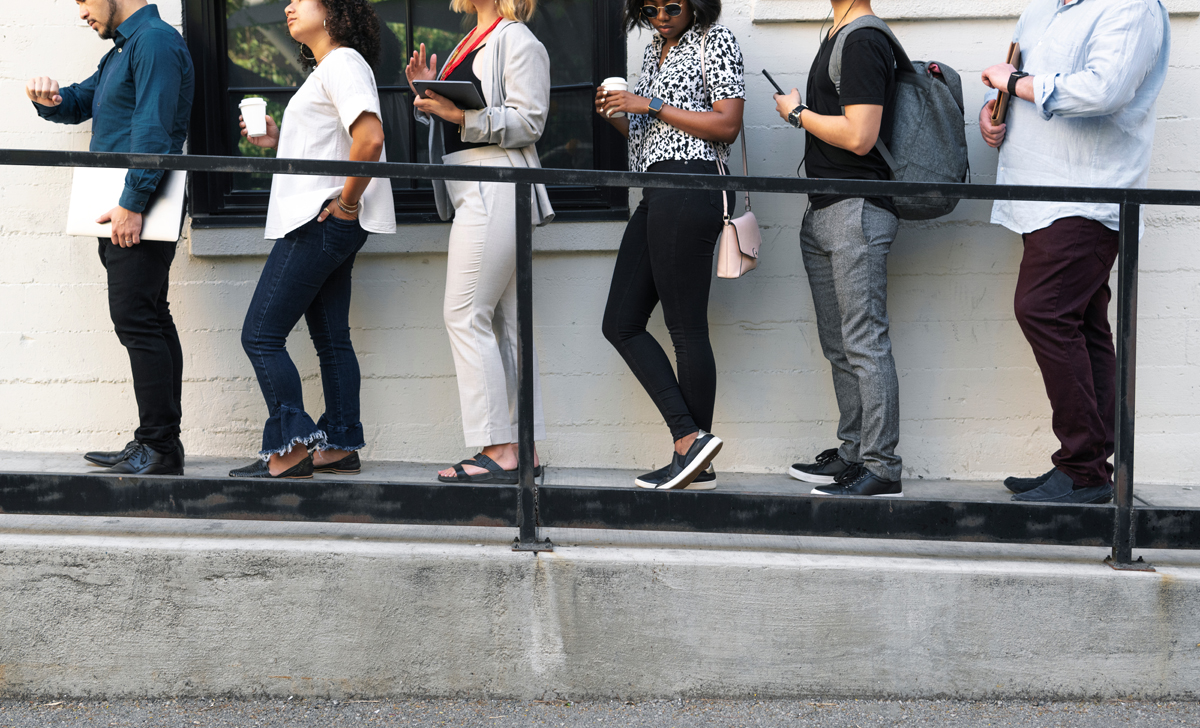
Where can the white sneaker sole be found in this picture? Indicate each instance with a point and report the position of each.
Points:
(815, 491)
(699, 465)
(810, 478)
(710, 485)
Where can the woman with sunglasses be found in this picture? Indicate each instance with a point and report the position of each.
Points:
(675, 122)
(321, 223)
(511, 70)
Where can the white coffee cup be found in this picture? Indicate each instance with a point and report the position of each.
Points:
(254, 113)
(615, 83)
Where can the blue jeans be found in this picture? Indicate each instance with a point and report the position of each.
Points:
(307, 274)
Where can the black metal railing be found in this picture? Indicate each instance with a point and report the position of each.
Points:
(1121, 525)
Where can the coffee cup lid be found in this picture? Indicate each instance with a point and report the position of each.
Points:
(252, 100)
(613, 79)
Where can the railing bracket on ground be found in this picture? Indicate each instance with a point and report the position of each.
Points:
(534, 547)
(1138, 564)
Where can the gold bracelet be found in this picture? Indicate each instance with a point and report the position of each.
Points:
(347, 209)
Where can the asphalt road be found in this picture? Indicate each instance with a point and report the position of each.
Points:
(652, 714)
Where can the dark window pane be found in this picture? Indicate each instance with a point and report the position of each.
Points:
(438, 27)
(565, 27)
(261, 52)
(567, 141)
(393, 31)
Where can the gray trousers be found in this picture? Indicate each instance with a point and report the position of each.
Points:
(845, 248)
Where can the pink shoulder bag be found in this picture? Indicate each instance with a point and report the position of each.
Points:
(737, 253)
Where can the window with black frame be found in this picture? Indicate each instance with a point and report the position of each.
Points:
(242, 48)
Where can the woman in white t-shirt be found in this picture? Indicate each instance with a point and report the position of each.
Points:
(320, 224)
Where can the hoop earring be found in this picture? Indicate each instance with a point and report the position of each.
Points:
(325, 23)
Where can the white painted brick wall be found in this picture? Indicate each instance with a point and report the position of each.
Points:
(972, 400)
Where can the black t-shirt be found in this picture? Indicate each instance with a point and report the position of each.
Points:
(868, 77)
(462, 72)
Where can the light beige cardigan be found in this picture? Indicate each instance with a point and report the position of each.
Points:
(518, 100)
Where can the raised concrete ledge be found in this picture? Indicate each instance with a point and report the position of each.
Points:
(790, 11)
(385, 611)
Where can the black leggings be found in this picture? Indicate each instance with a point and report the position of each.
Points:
(667, 255)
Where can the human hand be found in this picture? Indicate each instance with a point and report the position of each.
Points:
(126, 226)
(610, 102)
(992, 134)
(270, 141)
(420, 70)
(334, 209)
(785, 103)
(43, 90)
(997, 76)
(438, 105)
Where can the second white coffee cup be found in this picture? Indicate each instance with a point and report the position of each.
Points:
(254, 113)
(615, 83)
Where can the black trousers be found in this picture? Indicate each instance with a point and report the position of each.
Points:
(666, 256)
(138, 278)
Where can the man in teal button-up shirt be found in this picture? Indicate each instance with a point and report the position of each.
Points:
(139, 100)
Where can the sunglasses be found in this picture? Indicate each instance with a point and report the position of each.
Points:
(674, 10)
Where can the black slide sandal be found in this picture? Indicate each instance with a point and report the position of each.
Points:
(495, 474)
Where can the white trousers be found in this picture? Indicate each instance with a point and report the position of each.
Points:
(480, 309)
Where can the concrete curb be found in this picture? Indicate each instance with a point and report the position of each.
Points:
(118, 615)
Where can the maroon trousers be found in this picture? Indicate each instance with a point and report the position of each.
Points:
(1062, 306)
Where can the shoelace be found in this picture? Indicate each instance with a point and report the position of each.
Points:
(827, 457)
(850, 475)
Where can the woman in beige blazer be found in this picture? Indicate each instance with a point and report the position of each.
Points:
(511, 69)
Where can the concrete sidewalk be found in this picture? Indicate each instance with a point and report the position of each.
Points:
(302, 713)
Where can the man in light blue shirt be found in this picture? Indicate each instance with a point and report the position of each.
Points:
(1082, 114)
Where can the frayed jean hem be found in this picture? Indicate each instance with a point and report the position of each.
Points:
(315, 441)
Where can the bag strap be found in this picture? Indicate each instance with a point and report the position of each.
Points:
(903, 65)
(741, 133)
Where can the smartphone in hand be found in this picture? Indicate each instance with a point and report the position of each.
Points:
(768, 77)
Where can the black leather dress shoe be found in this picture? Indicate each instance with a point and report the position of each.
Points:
(145, 460)
(261, 469)
(109, 458)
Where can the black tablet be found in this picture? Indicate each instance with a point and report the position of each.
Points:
(462, 93)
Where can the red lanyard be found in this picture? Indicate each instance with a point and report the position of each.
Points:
(458, 57)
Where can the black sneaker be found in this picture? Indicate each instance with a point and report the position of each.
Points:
(1059, 488)
(825, 470)
(860, 481)
(685, 468)
(704, 481)
(1024, 485)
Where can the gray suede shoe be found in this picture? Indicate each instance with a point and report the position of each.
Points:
(1059, 488)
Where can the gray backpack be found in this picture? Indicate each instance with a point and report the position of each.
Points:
(929, 138)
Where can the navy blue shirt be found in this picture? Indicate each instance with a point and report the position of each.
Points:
(139, 99)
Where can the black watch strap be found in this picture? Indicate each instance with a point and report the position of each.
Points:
(794, 116)
(1012, 81)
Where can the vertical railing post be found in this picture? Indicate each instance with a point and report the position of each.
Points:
(527, 539)
(1127, 290)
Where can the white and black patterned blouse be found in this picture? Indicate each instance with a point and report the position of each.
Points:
(678, 82)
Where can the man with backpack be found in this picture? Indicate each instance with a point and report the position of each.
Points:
(1081, 115)
(845, 242)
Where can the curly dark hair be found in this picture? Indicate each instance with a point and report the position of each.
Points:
(351, 24)
(704, 13)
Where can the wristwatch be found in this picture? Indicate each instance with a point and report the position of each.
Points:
(1012, 81)
(794, 116)
(656, 105)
